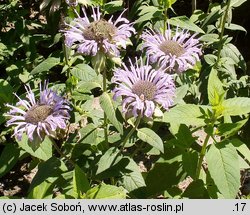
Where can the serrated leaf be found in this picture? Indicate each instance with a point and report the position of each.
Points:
(132, 177)
(80, 181)
(104, 191)
(215, 89)
(236, 106)
(43, 151)
(8, 158)
(188, 114)
(46, 65)
(223, 165)
(108, 108)
(149, 136)
(110, 158)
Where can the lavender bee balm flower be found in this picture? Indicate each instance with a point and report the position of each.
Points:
(92, 36)
(142, 88)
(38, 118)
(175, 53)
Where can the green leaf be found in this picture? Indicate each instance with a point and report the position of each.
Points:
(223, 165)
(80, 181)
(43, 151)
(209, 38)
(84, 72)
(185, 23)
(242, 148)
(190, 160)
(88, 134)
(229, 129)
(111, 157)
(215, 90)
(165, 173)
(169, 3)
(234, 27)
(81, 96)
(87, 86)
(180, 93)
(211, 17)
(6, 91)
(236, 3)
(210, 59)
(43, 182)
(108, 108)
(104, 191)
(149, 136)
(113, 6)
(147, 13)
(8, 158)
(196, 190)
(46, 65)
(86, 2)
(188, 114)
(236, 106)
(229, 50)
(132, 177)
(41, 191)
(184, 138)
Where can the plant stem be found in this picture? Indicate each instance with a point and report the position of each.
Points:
(66, 59)
(105, 124)
(165, 18)
(222, 32)
(137, 122)
(61, 153)
(194, 4)
(202, 154)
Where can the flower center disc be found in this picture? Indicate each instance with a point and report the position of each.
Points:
(38, 113)
(100, 30)
(144, 89)
(172, 47)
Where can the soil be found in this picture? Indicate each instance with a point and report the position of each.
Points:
(17, 181)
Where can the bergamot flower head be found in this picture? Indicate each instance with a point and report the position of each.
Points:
(173, 52)
(97, 34)
(142, 88)
(38, 118)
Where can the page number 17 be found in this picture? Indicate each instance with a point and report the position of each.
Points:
(239, 206)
